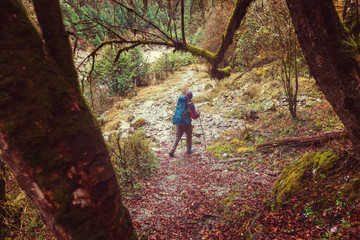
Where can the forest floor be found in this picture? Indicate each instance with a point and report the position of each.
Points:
(191, 195)
(220, 191)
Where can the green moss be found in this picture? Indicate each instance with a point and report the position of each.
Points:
(219, 148)
(348, 51)
(226, 71)
(294, 179)
(200, 52)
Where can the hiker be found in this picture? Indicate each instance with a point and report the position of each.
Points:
(185, 124)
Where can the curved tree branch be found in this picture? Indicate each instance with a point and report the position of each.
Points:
(233, 24)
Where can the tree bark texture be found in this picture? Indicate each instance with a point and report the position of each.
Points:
(332, 57)
(48, 137)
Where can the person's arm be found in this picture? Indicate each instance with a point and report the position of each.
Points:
(195, 113)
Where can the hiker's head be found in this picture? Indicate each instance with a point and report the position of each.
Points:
(189, 95)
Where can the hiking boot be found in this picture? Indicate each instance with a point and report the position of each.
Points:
(171, 154)
(190, 152)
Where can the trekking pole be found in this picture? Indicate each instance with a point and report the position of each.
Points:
(202, 129)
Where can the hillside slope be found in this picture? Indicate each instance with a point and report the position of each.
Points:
(219, 191)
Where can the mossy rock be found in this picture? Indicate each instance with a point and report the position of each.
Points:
(304, 175)
(139, 123)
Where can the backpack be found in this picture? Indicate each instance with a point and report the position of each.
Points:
(181, 116)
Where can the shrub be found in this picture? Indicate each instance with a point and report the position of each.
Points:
(169, 63)
(122, 76)
(132, 158)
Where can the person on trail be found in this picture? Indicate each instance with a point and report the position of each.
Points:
(187, 128)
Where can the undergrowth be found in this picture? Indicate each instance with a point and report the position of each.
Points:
(18, 217)
(168, 63)
(257, 101)
(133, 159)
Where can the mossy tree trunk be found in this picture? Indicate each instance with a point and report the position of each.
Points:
(2, 197)
(332, 57)
(48, 137)
(237, 16)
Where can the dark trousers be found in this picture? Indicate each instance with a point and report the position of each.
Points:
(179, 132)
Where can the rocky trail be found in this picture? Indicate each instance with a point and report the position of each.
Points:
(191, 195)
(157, 108)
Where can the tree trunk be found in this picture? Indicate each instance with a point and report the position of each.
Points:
(304, 140)
(332, 57)
(2, 197)
(237, 16)
(48, 137)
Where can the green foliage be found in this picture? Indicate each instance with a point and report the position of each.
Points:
(121, 76)
(88, 21)
(254, 36)
(132, 158)
(247, 46)
(20, 218)
(97, 21)
(268, 33)
(308, 209)
(221, 148)
(169, 63)
(157, 15)
(197, 36)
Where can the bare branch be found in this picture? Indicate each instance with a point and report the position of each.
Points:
(124, 50)
(93, 19)
(132, 10)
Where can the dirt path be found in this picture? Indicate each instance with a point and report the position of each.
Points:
(190, 196)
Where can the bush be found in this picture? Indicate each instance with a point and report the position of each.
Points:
(18, 217)
(132, 158)
(169, 63)
(122, 76)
